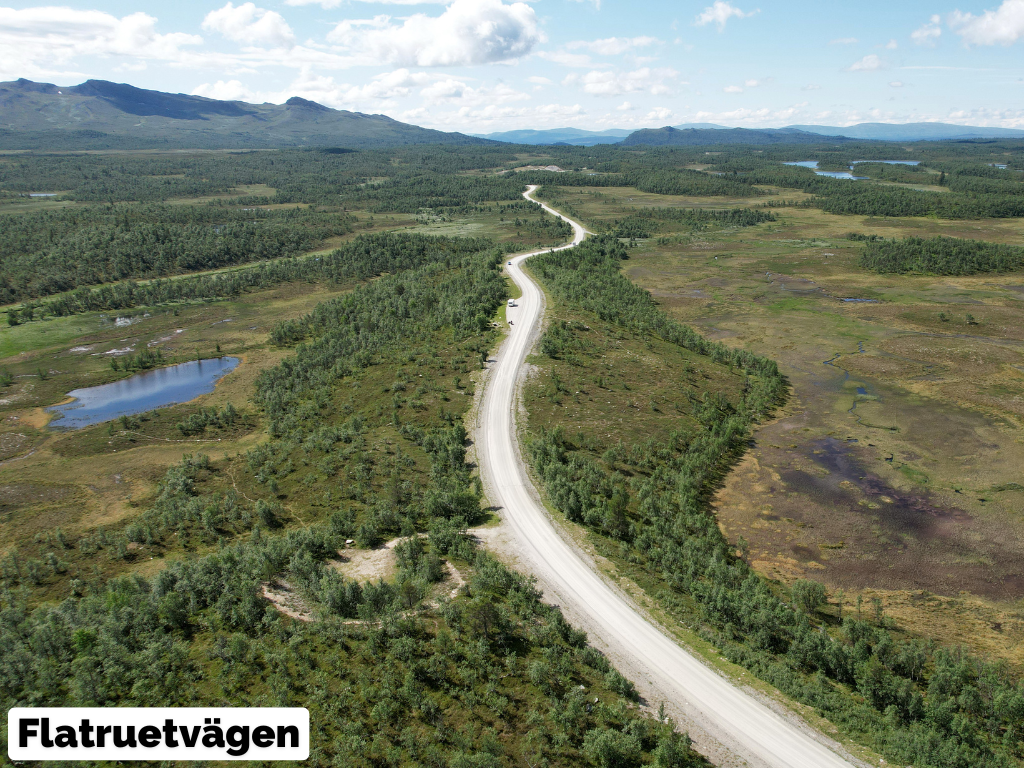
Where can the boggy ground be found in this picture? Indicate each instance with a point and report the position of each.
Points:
(894, 470)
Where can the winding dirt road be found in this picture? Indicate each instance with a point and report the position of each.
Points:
(749, 731)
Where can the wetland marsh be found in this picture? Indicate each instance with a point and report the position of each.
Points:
(894, 468)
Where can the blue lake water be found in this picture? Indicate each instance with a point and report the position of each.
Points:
(140, 393)
(813, 165)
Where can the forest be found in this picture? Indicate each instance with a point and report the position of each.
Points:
(913, 701)
(396, 671)
(940, 256)
(46, 253)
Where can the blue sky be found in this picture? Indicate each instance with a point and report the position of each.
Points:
(491, 65)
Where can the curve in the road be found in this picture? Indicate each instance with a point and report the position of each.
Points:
(746, 726)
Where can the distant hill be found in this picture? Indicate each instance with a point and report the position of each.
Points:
(99, 114)
(912, 131)
(669, 136)
(575, 136)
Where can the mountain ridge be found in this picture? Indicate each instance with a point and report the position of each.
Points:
(99, 114)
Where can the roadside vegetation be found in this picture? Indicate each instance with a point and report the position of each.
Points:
(452, 661)
(646, 492)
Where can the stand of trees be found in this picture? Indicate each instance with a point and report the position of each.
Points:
(913, 701)
(47, 253)
(940, 256)
(647, 221)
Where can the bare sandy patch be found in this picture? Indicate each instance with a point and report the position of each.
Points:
(283, 597)
(368, 564)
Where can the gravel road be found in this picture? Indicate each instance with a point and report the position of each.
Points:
(751, 732)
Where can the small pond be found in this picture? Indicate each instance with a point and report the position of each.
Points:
(140, 393)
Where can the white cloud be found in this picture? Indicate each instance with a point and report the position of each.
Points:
(328, 4)
(539, 80)
(720, 13)
(732, 89)
(1004, 26)
(624, 107)
(754, 117)
(844, 41)
(892, 45)
(41, 41)
(600, 83)
(896, 84)
(232, 90)
(451, 91)
(469, 32)
(658, 115)
(250, 25)
(870, 63)
(611, 46)
(811, 87)
(929, 33)
(566, 59)
(492, 116)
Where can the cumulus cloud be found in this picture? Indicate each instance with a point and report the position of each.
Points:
(378, 93)
(42, 41)
(539, 80)
(612, 46)
(870, 63)
(600, 83)
(328, 4)
(927, 34)
(250, 25)
(896, 84)
(720, 13)
(658, 115)
(468, 32)
(232, 90)
(624, 107)
(566, 59)
(1003, 26)
(748, 84)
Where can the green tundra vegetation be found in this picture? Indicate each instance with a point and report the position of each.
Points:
(227, 582)
(940, 256)
(368, 448)
(647, 497)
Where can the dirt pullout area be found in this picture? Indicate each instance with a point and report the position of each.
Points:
(284, 598)
(368, 564)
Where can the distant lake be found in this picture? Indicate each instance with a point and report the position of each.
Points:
(813, 164)
(140, 393)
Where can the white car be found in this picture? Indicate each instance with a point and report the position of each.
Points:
(511, 302)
